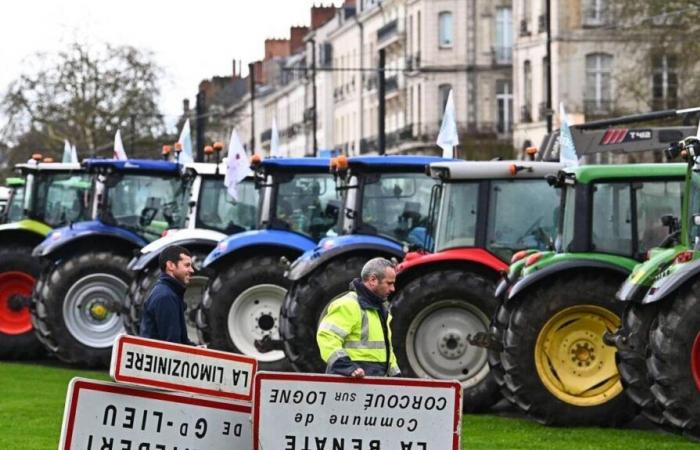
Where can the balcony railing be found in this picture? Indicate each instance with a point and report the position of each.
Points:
(525, 114)
(387, 30)
(266, 135)
(524, 28)
(391, 84)
(597, 107)
(413, 62)
(541, 23)
(502, 55)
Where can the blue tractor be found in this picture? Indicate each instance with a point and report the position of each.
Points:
(298, 206)
(78, 298)
(385, 210)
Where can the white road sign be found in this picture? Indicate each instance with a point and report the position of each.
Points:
(164, 365)
(103, 416)
(326, 412)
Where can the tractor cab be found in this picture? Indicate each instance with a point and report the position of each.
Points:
(14, 203)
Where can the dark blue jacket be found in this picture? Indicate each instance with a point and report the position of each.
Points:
(164, 312)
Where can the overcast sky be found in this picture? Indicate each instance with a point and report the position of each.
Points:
(191, 41)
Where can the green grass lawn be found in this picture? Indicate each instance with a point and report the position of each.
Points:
(33, 395)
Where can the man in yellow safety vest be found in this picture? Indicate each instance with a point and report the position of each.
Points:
(354, 336)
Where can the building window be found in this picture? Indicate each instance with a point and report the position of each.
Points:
(443, 94)
(526, 111)
(664, 81)
(598, 93)
(504, 101)
(445, 29)
(525, 18)
(545, 89)
(504, 36)
(594, 12)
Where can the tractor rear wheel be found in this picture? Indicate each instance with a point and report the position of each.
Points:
(304, 305)
(631, 359)
(499, 324)
(142, 284)
(77, 306)
(674, 360)
(556, 363)
(18, 272)
(433, 315)
(241, 305)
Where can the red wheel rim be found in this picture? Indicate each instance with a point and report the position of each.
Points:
(15, 321)
(695, 361)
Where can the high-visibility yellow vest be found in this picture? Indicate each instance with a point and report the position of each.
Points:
(348, 330)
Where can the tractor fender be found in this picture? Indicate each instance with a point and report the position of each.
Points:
(670, 283)
(185, 237)
(286, 240)
(571, 265)
(334, 247)
(27, 225)
(60, 238)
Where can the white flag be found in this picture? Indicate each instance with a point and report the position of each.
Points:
(67, 152)
(275, 140)
(186, 142)
(119, 152)
(74, 154)
(236, 165)
(447, 139)
(567, 149)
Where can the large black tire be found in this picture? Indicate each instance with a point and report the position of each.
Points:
(432, 317)
(632, 359)
(142, 284)
(242, 304)
(499, 324)
(568, 315)
(76, 307)
(671, 344)
(18, 273)
(304, 304)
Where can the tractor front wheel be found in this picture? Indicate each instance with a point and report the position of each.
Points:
(556, 364)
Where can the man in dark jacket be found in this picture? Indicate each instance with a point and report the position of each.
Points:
(164, 310)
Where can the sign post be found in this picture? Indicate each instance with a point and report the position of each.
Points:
(324, 412)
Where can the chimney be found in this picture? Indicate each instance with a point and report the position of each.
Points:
(259, 74)
(296, 38)
(322, 14)
(275, 48)
(234, 74)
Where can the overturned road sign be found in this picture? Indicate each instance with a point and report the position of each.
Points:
(325, 412)
(164, 365)
(100, 415)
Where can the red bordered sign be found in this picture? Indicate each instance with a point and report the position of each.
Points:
(106, 415)
(164, 365)
(296, 411)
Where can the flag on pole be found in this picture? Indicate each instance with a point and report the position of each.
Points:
(275, 140)
(67, 152)
(448, 138)
(567, 149)
(186, 142)
(236, 165)
(119, 152)
(74, 154)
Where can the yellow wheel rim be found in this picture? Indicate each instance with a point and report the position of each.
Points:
(571, 359)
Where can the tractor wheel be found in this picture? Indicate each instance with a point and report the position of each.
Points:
(303, 307)
(674, 361)
(241, 305)
(557, 366)
(142, 284)
(18, 272)
(77, 306)
(432, 317)
(499, 324)
(631, 360)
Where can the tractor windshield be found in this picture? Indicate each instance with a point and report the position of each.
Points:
(217, 210)
(147, 204)
(619, 228)
(308, 204)
(523, 214)
(15, 207)
(456, 225)
(566, 235)
(60, 198)
(396, 205)
(694, 209)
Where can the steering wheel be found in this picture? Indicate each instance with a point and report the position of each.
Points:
(670, 240)
(147, 215)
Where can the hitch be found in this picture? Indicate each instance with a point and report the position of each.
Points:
(267, 344)
(485, 340)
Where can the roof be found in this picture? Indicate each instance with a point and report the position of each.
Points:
(479, 170)
(133, 165)
(309, 165)
(586, 174)
(389, 163)
(64, 167)
(210, 168)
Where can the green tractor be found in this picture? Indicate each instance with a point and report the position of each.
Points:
(659, 340)
(547, 348)
(47, 196)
